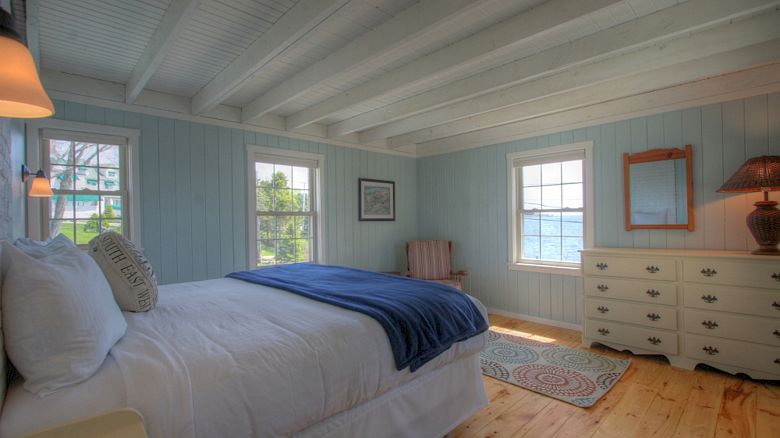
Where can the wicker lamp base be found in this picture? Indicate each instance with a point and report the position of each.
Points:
(764, 225)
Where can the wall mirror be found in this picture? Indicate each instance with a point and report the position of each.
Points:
(659, 189)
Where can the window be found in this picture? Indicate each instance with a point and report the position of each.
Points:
(284, 204)
(89, 169)
(550, 213)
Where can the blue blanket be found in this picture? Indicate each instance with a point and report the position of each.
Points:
(422, 319)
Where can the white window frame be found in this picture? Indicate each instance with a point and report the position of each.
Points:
(256, 154)
(35, 160)
(514, 202)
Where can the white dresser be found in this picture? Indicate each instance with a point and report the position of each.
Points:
(720, 308)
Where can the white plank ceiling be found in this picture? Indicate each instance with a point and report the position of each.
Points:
(394, 75)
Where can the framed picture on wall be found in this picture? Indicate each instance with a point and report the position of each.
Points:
(376, 200)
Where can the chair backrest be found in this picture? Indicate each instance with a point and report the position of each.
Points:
(429, 259)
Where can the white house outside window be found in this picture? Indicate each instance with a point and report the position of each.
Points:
(549, 205)
(284, 206)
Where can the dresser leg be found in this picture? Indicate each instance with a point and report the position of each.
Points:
(682, 362)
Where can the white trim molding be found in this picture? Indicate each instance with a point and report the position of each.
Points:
(34, 160)
(523, 316)
(252, 151)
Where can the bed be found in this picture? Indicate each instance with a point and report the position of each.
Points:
(229, 358)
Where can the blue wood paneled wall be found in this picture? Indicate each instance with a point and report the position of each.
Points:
(463, 196)
(193, 195)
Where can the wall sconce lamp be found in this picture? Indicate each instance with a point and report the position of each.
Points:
(760, 174)
(40, 187)
(21, 92)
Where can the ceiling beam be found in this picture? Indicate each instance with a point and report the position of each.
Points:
(736, 85)
(380, 46)
(667, 23)
(292, 26)
(533, 25)
(615, 77)
(173, 23)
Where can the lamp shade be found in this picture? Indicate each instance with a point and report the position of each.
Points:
(757, 174)
(40, 187)
(21, 92)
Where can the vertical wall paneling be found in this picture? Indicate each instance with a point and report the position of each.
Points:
(167, 156)
(183, 203)
(722, 135)
(213, 235)
(198, 201)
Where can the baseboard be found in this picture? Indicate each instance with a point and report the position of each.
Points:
(552, 322)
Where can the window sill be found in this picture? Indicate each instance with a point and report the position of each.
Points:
(547, 269)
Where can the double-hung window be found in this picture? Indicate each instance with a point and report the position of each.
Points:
(285, 210)
(549, 205)
(91, 180)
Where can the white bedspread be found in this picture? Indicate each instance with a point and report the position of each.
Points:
(229, 358)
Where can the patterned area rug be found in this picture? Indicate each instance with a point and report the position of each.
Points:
(576, 377)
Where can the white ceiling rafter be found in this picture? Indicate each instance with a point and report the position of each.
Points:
(175, 20)
(378, 47)
(469, 96)
(493, 41)
(294, 24)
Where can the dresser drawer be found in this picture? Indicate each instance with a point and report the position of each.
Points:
(627, 267)
(648, 339)
(651, 316)
(728, 272)
(727, 325)
(647, 292)
(736, 353)
(731, 299)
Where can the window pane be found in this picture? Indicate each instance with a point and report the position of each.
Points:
(532, 175)
(86, 178)
(531, 248)
(61, 207)
(109, 179)
(532, 198)
(283, 200)
(551, 224)
(300, 178)
(266, 250)
(302, 250)
(109, 155)
(61, 177)
(302, 227)
(86, 153)
(551, 248)
(301, 200)
(87, 206)
(551, 173)
(551, 197)
(265, 227)
(282, 176)
(571, 224)
(571, 248)
(285, 250)
(265, 196)
(531, 225)
(66, 228)
(572, 171)
(285, 227)
(112, 225)
(572, 195)
(86, 231)
(111, 206)
(60, 152)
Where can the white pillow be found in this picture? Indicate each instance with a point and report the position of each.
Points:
(127, 270)
(59, 315)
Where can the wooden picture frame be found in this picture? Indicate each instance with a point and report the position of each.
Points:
(376, 200)
(660, 155)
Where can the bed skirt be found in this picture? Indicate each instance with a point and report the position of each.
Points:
(429, 406)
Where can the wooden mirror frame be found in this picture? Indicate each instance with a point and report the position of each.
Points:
(659, 155)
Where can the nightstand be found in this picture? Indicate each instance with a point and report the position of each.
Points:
(122, 423)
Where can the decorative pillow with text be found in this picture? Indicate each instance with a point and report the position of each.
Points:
(127, 270)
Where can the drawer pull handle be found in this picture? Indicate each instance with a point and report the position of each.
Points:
(653, 316)
(776, 333)
(652, 269)
(709, 298)
(777, 361)
(710, 324)
(602, 266)
(712, 351)
(653, 340)
(653, 293)
(776, 305)
(602, 309)
(603, 331)
(776, 276)
(602, 287)
(707, 272)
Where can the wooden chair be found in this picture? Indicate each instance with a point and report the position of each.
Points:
(432, 260)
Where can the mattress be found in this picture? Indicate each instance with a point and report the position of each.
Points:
(228, 358)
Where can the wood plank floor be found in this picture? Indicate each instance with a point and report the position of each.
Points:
(651, 400)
